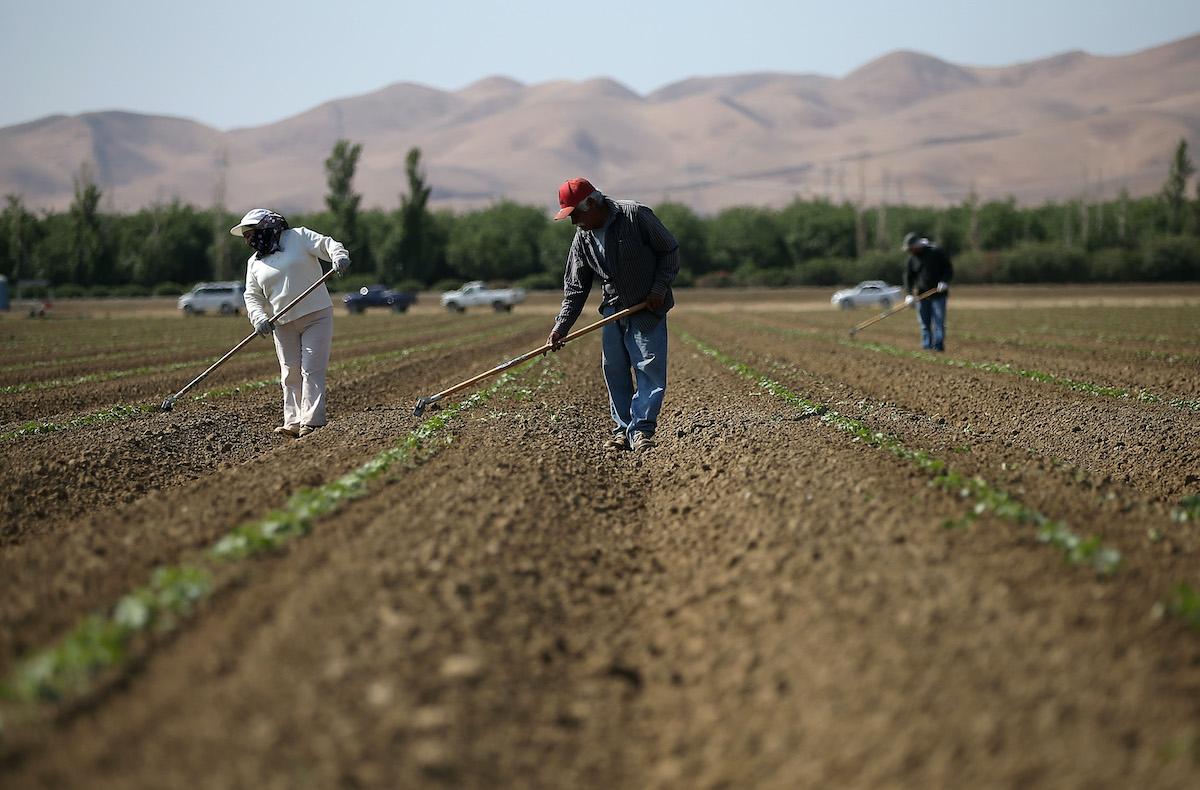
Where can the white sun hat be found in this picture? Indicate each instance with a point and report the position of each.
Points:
(252, 218)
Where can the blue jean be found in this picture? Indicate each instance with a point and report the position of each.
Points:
(632, 355)
(931, 312)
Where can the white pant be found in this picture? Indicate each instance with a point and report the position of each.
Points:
(302, 346)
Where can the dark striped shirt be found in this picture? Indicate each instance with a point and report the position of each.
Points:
(640, 257)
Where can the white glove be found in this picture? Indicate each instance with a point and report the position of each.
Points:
(341, 265)
(264, 327)
(942, 288)
(909, 299)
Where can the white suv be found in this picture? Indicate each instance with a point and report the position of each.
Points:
(226, 298)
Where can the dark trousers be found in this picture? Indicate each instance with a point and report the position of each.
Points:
(931, 312)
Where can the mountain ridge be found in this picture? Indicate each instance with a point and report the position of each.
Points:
(903, 126)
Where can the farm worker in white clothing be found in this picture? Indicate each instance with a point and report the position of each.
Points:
(286, 261)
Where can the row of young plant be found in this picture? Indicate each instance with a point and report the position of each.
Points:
(1182, 600)
(986, 498)
(122, 412)
(1003, 368)
(70, 668)
(142, 370)
(1102, 390)
(1169, 357)
(149, 337)
(1105, 344)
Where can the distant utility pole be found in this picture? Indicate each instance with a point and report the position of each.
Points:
(1084, 212)
(1122, 211)
(881, 225)
(973, 226)
(221, 237)
(860, 228)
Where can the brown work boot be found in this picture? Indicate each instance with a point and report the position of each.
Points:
(642, 441)
(290, 431)
(617, 441)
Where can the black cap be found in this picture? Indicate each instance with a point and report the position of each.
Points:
(911, 238)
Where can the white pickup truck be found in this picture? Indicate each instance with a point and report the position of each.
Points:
(476, 294)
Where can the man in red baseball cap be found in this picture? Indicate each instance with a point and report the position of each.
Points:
(572, 192)
(627, 248)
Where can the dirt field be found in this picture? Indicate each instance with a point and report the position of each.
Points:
(848, 563)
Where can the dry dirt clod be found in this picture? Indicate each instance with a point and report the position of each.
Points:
(461, 667)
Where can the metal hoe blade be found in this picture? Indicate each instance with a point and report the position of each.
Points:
(423, 403)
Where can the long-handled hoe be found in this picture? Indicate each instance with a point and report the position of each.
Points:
(430, 400)
(858, 327)
(169, 403)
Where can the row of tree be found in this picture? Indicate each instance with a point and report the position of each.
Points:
(807, 242)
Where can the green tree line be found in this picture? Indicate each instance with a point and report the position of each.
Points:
(165, 248)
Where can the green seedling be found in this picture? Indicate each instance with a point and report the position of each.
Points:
(117, 413)
(1184, 604)
(101, 641)
(1188, 509)
(959, 523)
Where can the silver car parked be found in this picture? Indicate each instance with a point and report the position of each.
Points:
(225, 298)
(868, 292)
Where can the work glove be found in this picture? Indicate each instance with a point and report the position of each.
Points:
(943, 287)
(264, 327)
(341, 266)
(654, 301)
(909, 299)
(555, 340)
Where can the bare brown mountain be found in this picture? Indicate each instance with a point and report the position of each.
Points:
(905, 127)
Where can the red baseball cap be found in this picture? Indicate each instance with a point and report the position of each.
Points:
(571, 194)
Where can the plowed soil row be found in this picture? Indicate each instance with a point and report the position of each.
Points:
(1150, 447)
(256, 363)
(66, 474)
(1106, 365)
(90, 511)
(759, 601)
(198, 355)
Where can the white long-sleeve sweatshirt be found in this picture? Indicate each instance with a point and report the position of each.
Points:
(282, 276)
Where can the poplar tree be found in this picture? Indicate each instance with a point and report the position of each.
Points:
(1174, 191)
(342, 201)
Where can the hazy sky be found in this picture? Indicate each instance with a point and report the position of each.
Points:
(233, 64)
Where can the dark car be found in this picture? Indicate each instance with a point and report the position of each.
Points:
(378, 296)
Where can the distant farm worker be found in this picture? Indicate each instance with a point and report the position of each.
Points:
(286, 261)
(627, 248)
(928, 266)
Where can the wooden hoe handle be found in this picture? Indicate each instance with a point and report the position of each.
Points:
(425, 402)
(169, 403)
(858, 327)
